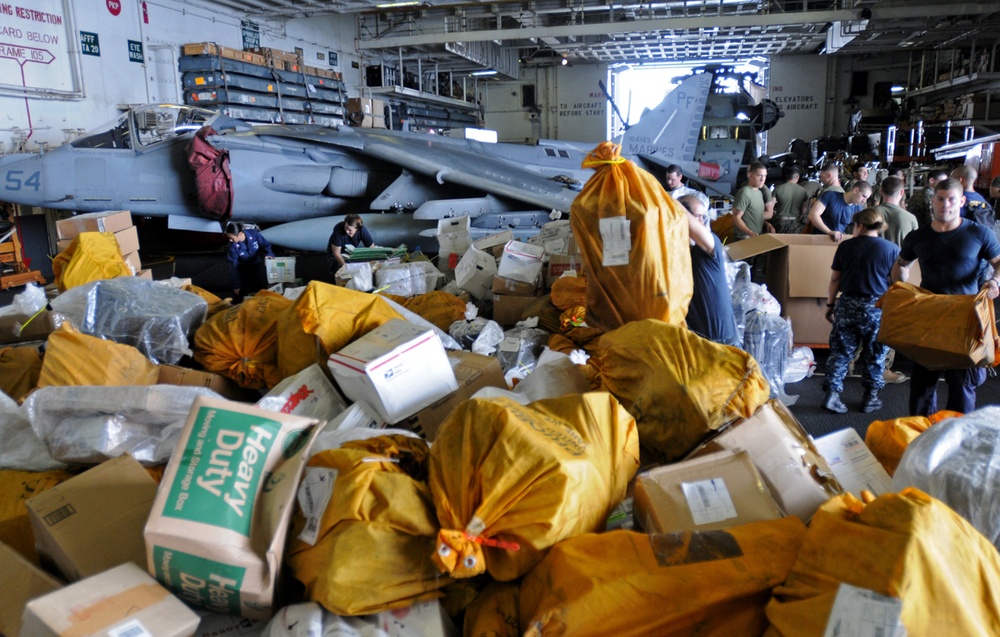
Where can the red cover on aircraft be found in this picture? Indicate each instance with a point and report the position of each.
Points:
(213, 181)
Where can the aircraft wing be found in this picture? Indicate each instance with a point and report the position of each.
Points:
(455, 161)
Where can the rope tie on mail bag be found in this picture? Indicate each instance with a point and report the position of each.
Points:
(460, 553)
(606, 153)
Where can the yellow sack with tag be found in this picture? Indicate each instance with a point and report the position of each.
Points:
(678, 385)
(91, 256)
(633, 240)
(363, 545)
(75, 358)
(333, 315)
(905, 545)
(494, 612)
(19, 370)
(939, 331)
(888, 439)
(439, 307)
(242, 342)
(16, 487)
(510, 480)
(629, 584)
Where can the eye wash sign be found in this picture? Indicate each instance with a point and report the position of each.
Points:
(222, 509)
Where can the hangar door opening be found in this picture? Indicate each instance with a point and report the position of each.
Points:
(736, 118)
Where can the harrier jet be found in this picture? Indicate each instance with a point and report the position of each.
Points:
(298, 180)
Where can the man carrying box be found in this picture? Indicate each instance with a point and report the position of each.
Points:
(949, 250)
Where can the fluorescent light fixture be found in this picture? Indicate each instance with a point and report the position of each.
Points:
(393, 5)
(897, 89)
(743, 117)
(479, 73)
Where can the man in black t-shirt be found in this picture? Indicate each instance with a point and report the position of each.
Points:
(349, 232)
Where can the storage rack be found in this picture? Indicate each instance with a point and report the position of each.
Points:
(256, 88)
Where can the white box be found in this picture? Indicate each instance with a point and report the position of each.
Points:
(475, 273)
(521, 261)
(453, 234)
(308, 393)
(116, 602)
(397, 368)
(490, 243)
(280, 269)
(853, 463)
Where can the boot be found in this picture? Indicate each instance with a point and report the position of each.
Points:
(833, 403)
(871, 401)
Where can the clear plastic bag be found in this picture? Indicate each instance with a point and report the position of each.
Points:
(800, 365)
(520, 349)
(356, 276)
(475, 333)
(22, 449)
(158, 320)
(957, 461)
(407, 279)
(767, 338)
(88, 425)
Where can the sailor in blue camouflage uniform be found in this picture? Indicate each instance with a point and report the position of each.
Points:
(861, 273)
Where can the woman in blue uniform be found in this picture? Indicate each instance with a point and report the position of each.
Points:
(247, 249)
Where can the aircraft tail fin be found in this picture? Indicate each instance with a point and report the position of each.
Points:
(671, 130)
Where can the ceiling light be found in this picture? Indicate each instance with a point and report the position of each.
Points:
(897, 89)
(478, 73)
(393, 5)
(564, 61)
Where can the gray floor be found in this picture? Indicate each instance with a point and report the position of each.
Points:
(818, 421)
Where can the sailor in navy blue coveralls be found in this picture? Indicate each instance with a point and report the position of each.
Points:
(247, 249)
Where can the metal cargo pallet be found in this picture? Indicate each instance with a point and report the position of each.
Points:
(202, 63)
(225, 97)
(273, 117)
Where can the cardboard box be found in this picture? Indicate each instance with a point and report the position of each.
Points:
(109, 221)
(200, 48)
(473, 372)
(797, 476)
(145, 274)
(20, 581)
(185, 377)
(133, 261)
(280, 269)
(521, 261)
(508, 309)
(797, 273)
(93, 521)
(122, 602)
(308, 393)
(14, 330)
(366, 113)
(475, 271)
(398, 368)
(513, 287)
(855, 466)
(561, 263)
(128, 240)
(453, 235)
(494, 243)
(713, 492)
(216, 533)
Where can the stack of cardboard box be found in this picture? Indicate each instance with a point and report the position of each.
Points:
(118, 222)
(366, 112)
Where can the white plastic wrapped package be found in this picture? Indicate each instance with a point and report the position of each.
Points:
(308, 393)
(957, 461)
(30, 301)
(158, 320)
(356, 276)
(800, 365)
(22, 449)
(407, 279)
(749, 298)
(478, 335)
(520, 348)
(88, 425)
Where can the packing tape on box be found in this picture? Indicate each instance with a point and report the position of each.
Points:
(110, 610)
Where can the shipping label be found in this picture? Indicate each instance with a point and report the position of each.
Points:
(221, 469)
(199, 581)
